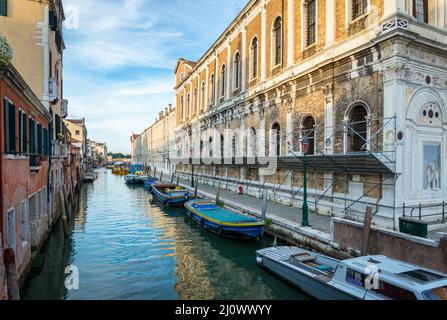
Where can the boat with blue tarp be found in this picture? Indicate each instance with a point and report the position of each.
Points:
(137, 178)
(224, 222)
(149, 182)
(171, 194)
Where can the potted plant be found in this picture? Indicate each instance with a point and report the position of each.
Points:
(5, 51)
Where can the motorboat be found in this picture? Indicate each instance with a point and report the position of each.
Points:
(364, 278)
(171, 194)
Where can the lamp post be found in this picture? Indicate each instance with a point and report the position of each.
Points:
(305, 150)
(192, 168)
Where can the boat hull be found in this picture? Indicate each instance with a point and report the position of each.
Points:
(176, 202)
(310, 285)
(248, 231)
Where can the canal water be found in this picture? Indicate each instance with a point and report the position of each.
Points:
(127, 247)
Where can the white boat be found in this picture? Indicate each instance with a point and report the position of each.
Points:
(364, 278)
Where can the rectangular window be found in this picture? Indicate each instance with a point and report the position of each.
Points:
(39, 139)
(77, 132)
(32, 136)
(4, 8)
(10, 127)
(356, 278)
(394, 292)
(359, 8)
(23, 133)
(11, 216)
(420, 10)
(24, 213)
(311, 22)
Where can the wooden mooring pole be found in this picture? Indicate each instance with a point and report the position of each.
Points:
(366, 230)
(218, 191)
(264, 205)
(12, 278)
(196, 187)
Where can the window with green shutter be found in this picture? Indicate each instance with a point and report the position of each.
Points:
(39, 139)
(24, 137)
(4, 8)
(45, 142)
(32, 136)
(10, 127)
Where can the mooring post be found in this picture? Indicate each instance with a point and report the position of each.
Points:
(161, 176)
(196, 186)
(218, 192)
(172, 177)
(12, 278)
(178, 181)
(366, 230)
(155, 172)
(264, 205)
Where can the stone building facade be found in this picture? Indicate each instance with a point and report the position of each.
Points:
(154, 146)
(361, 83)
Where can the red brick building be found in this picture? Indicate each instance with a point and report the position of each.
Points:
(24, 165)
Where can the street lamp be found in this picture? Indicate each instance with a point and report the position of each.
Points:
(305, 150)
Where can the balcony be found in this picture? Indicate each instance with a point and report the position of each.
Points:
(64, 108)
(53, 89)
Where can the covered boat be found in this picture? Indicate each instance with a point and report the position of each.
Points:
(223, 222)
(137, 178)
(170, 194)
(363, 278)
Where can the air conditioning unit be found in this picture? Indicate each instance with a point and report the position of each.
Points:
(64, 108)
(53, 89)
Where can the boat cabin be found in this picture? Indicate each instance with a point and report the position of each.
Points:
(379, 277)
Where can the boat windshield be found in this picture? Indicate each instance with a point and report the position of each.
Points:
(436, 294)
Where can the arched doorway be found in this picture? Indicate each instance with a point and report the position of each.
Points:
(276, 140)
(308, 133)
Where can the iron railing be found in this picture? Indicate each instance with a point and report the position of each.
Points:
(425, 211)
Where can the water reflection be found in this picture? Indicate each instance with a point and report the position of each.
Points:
(127, 247)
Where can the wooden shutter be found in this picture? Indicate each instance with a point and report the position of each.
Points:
(24, 133)
(32, 135)
(39, 139)
(6, 124)
(3, 8)
(12, 128)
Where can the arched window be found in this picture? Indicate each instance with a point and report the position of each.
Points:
(252, 143)
(254, 58)
(210, 147)
(236, 71)
(213, 89)
(223, 80)
(182, 108)
(276, 139)
(308, 133)
(222, 146)
(202, 96)
(188, 106)
(196, 101)
(357, 129)
(277, 42)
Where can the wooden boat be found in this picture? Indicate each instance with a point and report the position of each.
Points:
(89, 177)
(364, 278)
(170, 194)
(148, 183)
(223, 222)
(136, 178)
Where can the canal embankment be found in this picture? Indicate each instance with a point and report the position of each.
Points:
(336, 237)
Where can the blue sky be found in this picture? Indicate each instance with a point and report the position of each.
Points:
(118, 65)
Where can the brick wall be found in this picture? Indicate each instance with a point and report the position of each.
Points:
(2, 272)
(419, 251)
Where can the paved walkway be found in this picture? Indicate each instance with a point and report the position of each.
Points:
(289, 215)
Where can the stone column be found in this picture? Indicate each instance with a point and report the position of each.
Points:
(329, 120)
(207, 79)
(291, 32)
(263, 40)
(216, 83)
(330, 23)
(229, 67)
(244, 59)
